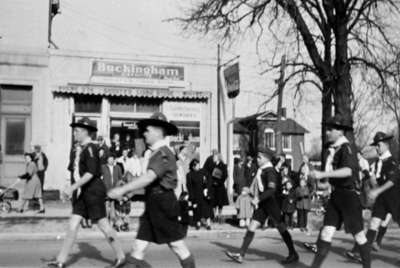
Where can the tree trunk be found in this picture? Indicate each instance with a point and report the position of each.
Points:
(343, 91)
(326, 114)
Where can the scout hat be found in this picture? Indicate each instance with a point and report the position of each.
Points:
(338, 122)
(266, 151)
(85, 123)
(381, 136)
(158, 120)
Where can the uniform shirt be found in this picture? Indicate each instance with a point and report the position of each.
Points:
(269, 179)
(89, 162)
(163, 163)
(388, 172)
(344, 157)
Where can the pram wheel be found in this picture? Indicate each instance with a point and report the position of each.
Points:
(5, 206)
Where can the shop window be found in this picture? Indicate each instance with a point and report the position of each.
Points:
(269, 138)
(122, 105)
(88, 104)
(188, 132)
(287, 142)
(16, 94)
(15, 136)
(147, 107)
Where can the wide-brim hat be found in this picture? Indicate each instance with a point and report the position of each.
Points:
(381, 136)
(338, 122)
(158, 120)
(85, 123)
(266, 151)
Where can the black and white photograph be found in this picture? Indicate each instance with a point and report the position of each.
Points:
(199, 133)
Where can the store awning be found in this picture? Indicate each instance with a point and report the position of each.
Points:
(132, 92)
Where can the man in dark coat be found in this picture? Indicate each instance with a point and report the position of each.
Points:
(209, 164)
(42, 163)
(160, 221)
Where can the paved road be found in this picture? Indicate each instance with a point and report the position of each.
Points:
(266, 251)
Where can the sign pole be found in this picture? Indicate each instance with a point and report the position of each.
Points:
(219, 97)
(281, 85)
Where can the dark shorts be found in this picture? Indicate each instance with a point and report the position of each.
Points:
(159, 222)
(384, 205)
(90, 205)
(268, 208)
(344, 206)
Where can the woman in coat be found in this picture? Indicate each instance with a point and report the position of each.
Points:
(303, 204)
(219, 175)
(199, 188)
(32, 187)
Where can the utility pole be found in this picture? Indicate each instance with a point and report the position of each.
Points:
(219, 97)
(281, 85)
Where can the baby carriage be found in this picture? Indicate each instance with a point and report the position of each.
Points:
(7, 194)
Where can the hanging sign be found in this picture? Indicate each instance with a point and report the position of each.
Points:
(232, 80)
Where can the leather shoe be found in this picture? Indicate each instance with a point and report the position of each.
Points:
(56, 264)
(118, 263)
(292, 258)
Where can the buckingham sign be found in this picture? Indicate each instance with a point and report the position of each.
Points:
(137, 73)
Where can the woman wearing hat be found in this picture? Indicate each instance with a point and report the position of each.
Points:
(160, 221)
(344, 205)
(90, 195)
(386, 194)
(266, 205)
(32, 187)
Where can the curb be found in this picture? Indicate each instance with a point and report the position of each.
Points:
(94, 235)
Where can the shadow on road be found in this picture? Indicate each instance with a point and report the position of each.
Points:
(88, 251)
(264, 254)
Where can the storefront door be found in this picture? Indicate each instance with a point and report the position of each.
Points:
(15, 140)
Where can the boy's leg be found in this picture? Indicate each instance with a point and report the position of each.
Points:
(136, 257)
(180, 249)
(70, 238)
(323, 245)
(111, 237)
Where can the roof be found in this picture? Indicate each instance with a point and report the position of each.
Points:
(287, 125)
(131, 91)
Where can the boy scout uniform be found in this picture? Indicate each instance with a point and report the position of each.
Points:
(344, 205)
(90, 198)
(268, 205)
(386, 169)
(160, 220)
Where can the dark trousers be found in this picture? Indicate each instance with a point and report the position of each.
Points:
(302, 218)
(288, 218)
(41, 177)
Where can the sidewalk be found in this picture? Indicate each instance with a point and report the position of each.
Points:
(62, 210)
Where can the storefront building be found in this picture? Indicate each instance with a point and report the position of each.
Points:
(117, 92)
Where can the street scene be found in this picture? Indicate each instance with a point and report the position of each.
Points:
(203, 133)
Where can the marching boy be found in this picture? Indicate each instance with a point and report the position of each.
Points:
(344, 205)
(267, 206)
(159, 223)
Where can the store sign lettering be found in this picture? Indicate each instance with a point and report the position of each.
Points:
(138, 71)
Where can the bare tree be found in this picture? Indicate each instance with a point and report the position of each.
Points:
(323, 39)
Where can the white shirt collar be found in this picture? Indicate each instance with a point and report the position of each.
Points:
(157, 145)
(385, 155)
(86, 141)
(342, 140)
(266, 165)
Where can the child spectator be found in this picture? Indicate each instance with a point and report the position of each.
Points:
(289, 203)
(244, 207)
(303, 205)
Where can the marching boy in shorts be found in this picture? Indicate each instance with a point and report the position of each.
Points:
(266, 206)
(344, 205)
(159, 223)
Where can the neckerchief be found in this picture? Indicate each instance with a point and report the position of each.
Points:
(332, 150)
(383, 157)
(258, 175)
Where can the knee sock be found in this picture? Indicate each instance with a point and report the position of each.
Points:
(371, 234)
(287, 238)
(381, 234)
(323, 250)
(365, 254)
(355, 248)
(246, 242)
(188, 262)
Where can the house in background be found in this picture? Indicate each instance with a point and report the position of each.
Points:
(262, 129)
